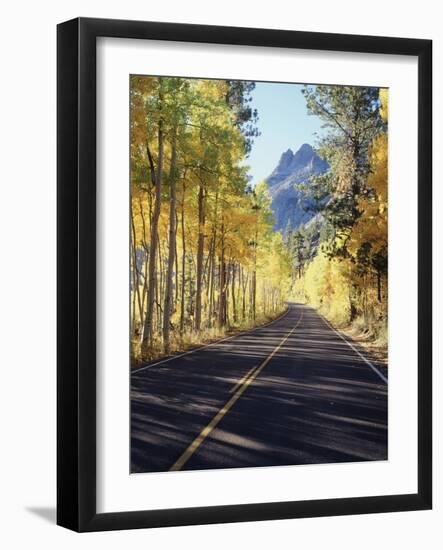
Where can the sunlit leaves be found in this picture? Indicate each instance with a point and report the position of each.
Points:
(223, 229)
(347, 276)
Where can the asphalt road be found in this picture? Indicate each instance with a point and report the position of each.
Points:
(292, 392)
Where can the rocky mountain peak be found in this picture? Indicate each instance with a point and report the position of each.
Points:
(304, 154)
(288, 203)
(285, 160)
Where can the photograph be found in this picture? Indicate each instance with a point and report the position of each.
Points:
(227, 241)
(258, 273)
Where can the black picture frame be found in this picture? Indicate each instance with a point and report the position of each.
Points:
(76, 265)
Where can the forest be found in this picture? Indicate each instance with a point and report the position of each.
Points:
(341, 256)
(204, 257)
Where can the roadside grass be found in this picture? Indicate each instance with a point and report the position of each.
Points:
(371, 333)
(192, 339)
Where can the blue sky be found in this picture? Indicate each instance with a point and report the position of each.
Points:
(284, 124)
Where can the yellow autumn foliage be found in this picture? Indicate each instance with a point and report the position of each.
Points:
(325, 285)
(217, 264)
(346, 289)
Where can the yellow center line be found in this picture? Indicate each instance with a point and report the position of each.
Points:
(242, 381)
(178, 465)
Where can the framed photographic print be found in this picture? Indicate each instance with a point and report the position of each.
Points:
(244, 274)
